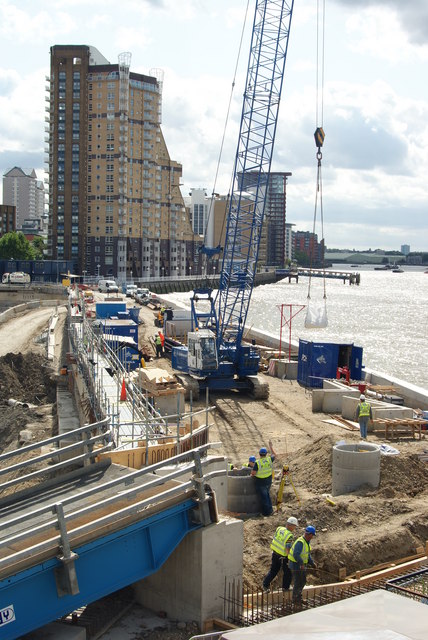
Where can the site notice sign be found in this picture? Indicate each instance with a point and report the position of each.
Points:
(7, 615)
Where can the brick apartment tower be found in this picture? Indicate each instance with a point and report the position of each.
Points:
(115, 207)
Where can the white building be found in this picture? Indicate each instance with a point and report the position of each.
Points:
(201, 217)
(23, 190)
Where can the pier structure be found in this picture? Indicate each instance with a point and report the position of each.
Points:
(353, 277)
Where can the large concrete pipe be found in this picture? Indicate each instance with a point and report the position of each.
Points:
(355, 465)
(241, 492)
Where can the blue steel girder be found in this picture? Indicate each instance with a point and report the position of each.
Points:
(268, 52)
(29, 599)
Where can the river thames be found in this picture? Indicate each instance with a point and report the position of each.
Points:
(386, 315)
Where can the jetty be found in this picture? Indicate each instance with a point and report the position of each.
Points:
(353, 277)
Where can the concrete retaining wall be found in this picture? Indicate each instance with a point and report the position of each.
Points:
(414, 396)
(190, 584)
(379, 409)
(331, 400)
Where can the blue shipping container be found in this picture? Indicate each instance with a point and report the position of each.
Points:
(108, 309)
(126, 328)
(321, 360)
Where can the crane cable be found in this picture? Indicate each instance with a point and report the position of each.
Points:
(224, 131)
(319, 140)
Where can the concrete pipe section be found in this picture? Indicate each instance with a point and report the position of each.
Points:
(241, 492)
(355, 465)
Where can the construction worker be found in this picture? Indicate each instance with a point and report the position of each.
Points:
(248, 466)
(158, 345)
(281, 545)
(363, 414)
(250, 463)
(299, 557)
(262, 473)
(162, 338)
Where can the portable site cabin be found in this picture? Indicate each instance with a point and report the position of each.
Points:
(320, 360)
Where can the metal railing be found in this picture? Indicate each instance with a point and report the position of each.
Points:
(85, 444)
(30, 528)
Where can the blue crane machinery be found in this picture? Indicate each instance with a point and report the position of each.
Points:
(215, 355)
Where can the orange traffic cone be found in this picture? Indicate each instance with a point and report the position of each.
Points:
(123, 391)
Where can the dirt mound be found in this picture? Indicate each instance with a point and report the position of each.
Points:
(27, 378)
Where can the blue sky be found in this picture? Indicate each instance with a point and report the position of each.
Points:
(375, 156)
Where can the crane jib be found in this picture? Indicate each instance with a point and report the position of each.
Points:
(268, 51)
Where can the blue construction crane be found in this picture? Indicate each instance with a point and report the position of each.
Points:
(215, 356)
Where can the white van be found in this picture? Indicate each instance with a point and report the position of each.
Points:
(107, 286)
(16, 277)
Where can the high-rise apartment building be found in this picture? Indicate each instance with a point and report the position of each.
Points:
(25, 192)
(307, 250)
(115, 206)
(272, 250)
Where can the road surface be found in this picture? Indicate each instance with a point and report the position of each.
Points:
(18, 333)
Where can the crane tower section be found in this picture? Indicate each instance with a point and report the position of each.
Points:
(268, 52)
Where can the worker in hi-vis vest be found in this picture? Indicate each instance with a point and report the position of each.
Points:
(262, 473)
(281, 545)
(299, 558)
(363, 414)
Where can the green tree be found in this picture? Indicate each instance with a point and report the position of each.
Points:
(14, 245)
(302, 258)
(39, 246)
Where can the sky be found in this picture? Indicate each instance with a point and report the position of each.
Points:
(372, 102)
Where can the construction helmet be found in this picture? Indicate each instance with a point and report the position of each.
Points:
(293, 520)
(263, 451)
(310, 529)
(252, 459)
(362, 396)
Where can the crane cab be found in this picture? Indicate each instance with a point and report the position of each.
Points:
(202, 351)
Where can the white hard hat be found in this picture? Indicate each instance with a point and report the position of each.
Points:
(293, 520)
(362, 396)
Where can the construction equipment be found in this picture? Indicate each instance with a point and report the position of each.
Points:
(281, 486)
(285, 473)
(215, 355)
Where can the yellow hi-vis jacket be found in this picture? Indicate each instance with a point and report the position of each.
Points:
(363, 410)
(306, 551)
(280, 539)
(264, 467)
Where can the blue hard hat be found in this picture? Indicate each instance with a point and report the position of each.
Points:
(263, 451)
(252, 459)
(310, 529)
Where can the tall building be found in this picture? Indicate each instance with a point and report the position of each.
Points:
(23, 190)
(115, 206)
(289, 252)
(307, 250)
(7, 219)
(405, 249)
(272, 251)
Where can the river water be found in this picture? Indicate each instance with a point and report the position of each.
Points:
(386, 315)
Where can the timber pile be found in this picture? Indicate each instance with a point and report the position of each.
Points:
(157, 382)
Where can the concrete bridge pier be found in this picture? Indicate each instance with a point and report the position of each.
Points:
(190, 584)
